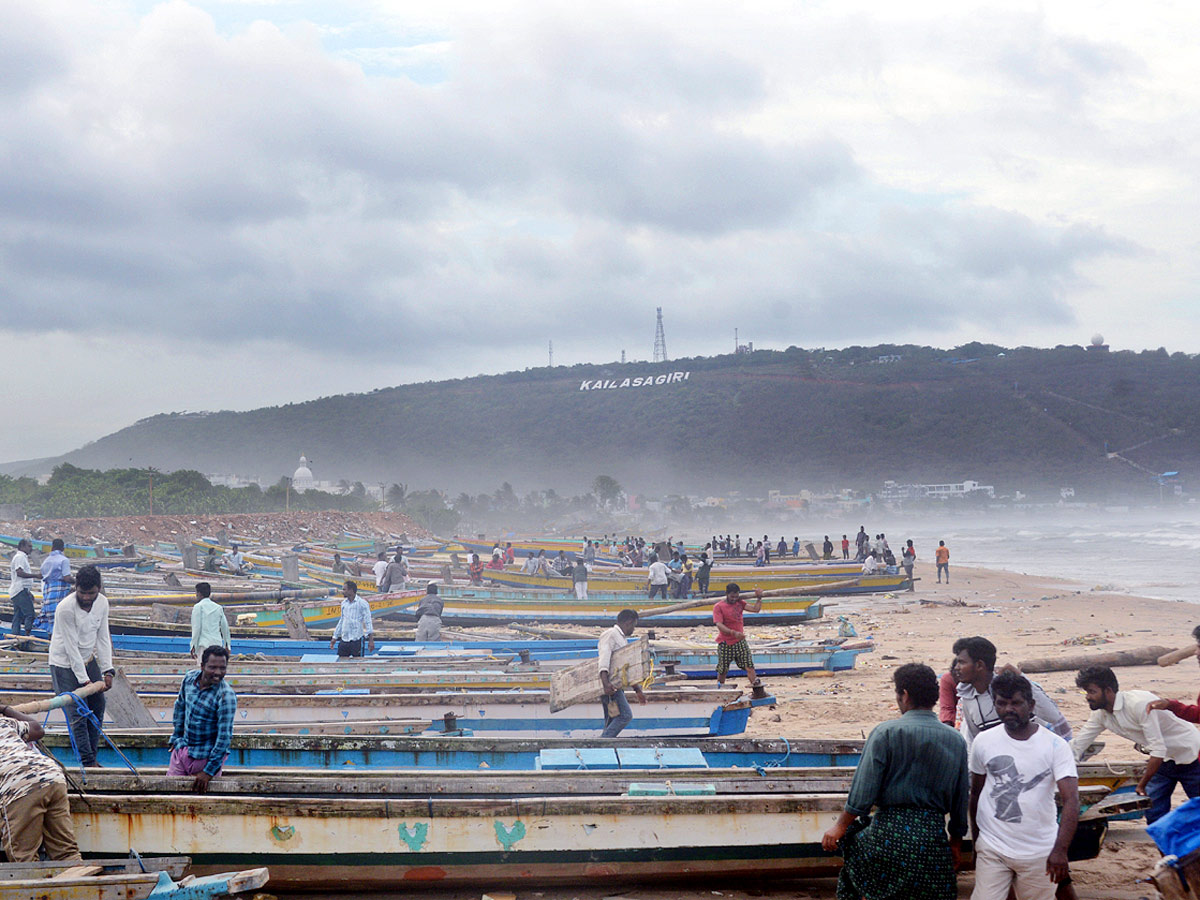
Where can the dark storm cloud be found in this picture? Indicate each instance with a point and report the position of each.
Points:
(242, 187)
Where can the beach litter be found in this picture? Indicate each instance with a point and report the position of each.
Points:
(1085, 640)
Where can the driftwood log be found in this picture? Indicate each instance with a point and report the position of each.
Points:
(1177, 656)
(1141, 656)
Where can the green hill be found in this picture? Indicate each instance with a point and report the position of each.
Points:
(1020, 418)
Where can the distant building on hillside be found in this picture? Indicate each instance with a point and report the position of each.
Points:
(302, 478)
(893, 491)
(780, 500)
(232, 481)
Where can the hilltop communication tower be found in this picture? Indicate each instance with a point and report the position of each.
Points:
(552, 354)
(660, 339)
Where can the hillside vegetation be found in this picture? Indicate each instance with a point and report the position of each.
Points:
(1024, 418)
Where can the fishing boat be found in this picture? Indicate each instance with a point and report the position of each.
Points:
(179, 644)
(524, 548)
(512, 713)
(750, 580)
(343, 830)
(467, 613)
(74, 551)
(448, 672)
(436, 754)
(786, 658)
(135, 879)
(428, 678)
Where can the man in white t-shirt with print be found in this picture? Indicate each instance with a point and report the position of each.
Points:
(1014, 773)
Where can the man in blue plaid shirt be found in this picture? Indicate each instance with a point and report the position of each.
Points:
(204, 713)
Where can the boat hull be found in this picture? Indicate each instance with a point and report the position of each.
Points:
(748, 581)
(515, 714)
(368, 844)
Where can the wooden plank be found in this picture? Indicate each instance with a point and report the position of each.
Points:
(581, 683)
(124, 707)
(78, 872)
(125, 886)
(169, 613)
(174, 866)
(293, 619)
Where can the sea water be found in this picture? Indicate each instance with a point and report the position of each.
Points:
(1142, 553)
(1147, 553)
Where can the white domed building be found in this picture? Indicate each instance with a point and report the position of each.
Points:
(302, 478)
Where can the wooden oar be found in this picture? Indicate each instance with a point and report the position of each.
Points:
(778, 593)
(37, 706)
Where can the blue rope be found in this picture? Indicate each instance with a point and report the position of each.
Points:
(776, 763)
(85, 713)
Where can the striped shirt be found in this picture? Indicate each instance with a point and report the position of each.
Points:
(55, 569)
(355, 623)
(203, 720)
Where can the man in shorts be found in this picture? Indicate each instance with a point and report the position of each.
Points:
(731, 639)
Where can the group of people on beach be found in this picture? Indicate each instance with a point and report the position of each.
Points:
(728, 617)
(33, 788)
(991, 759)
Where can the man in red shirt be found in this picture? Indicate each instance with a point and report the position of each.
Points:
(1186, 711)
(731, 639)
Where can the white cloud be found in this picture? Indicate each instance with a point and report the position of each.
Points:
(450, 187)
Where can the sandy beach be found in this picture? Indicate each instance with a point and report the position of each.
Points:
(1026, 617)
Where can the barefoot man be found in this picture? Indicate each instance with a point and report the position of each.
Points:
(731, 641)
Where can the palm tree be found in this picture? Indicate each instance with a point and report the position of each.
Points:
(396, 496)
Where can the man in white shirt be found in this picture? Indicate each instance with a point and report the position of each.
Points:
(19, 589)
(379, 568)
(870, 564)
(235, 561)
(354, 634)
(210, 627)
(81, 652)
(658, 577)
(617, 713)
(1014, 772)
(1172, 743)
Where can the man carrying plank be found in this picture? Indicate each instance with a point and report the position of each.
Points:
(731, 640)
(617, 713)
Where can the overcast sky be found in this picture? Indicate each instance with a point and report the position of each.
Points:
(226, 205)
